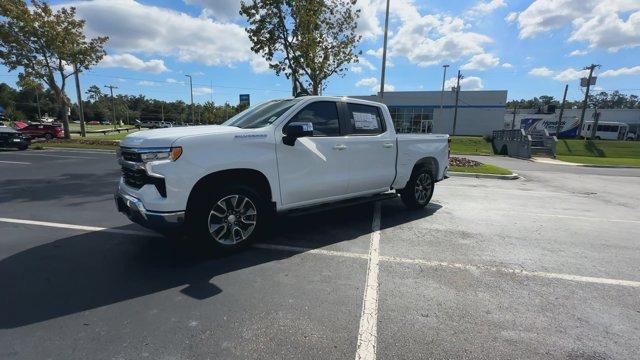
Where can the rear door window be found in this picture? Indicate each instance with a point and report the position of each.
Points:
(364, 119)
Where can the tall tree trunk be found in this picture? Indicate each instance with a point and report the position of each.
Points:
(65, 118)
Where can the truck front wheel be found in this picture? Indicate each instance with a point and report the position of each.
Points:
(229, 219)
(419, 189)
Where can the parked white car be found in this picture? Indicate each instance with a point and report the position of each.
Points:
(224, 182)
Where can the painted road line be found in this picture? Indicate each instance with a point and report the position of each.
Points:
(50, 155)
(15, 162)
(368, 332)
(298, 249)
(77, 227)
(518, 272)
(375, 237)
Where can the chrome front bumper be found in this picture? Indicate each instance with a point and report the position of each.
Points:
(133, 208)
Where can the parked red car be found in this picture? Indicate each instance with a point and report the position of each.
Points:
(47, 131)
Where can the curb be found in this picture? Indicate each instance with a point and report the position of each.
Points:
(609, 166)
(484, 176)
(79, 149)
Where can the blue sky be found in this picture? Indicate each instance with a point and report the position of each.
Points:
(529, 48)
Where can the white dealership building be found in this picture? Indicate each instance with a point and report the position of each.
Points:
(479, 112)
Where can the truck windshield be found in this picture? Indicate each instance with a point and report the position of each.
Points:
(261, 115)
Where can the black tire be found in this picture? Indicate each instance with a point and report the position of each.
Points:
(419, 189)
(48, 136)
(235, 222)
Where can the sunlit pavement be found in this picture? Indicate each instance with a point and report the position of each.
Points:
(544, 267)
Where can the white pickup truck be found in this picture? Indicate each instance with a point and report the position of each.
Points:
(224, 182)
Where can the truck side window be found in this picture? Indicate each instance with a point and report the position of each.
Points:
(324, 117)
(365, 119)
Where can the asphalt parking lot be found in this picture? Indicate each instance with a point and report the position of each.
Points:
(543, 267)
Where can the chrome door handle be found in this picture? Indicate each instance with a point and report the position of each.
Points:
(340, 147)
(387, 145)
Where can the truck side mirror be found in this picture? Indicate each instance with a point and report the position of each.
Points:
(296, 130)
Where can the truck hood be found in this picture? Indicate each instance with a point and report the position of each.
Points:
(166, 137)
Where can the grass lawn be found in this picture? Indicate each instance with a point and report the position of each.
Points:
(600, 148)
(595, 160)
(110, 136)
(76, 127)
(470, 145)
(482, 169)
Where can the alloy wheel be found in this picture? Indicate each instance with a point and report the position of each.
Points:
(423, 188)
(232, 219)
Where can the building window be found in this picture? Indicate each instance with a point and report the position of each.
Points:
(412, 119)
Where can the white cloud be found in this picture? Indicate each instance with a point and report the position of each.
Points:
(601, 24)
(430, 39)
(481, 62)
(578, 53)
(468, 83)
(376, 53)
(356, 69)
(259, 65)
(571, 74)
(541, 71)
(174, 81)
(622, 71)
(513, 16)
(564, 75)
(367, 82)
(148, 83)
(486, 7)
(507, 66)
(132, 62)
(374, 84)
(201, 91)
(368, 23)
(219, 9)
(155, 30)
(366, 63)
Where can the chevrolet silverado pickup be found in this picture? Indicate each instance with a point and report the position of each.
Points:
(223, 183)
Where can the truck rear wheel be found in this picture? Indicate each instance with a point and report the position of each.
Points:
(229, 219)
(419, 189)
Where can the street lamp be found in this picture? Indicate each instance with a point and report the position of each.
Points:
(191, 87)
(444, 76)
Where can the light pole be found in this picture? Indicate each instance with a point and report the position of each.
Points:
(191, 87)
(586, 96)
(444, 76)
(384, 51)
(455, 111)
(113, 104)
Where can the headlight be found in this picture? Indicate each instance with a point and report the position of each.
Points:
(161, 154)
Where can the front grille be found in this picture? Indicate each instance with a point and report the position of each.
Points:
(138, 178)
(130, 156)
(134, 178)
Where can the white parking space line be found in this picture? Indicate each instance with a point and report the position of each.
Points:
(297, 249)
(77, 227)
(15, 162)
(49, 155)
(368, 332)
(577, 278)
(373, 253)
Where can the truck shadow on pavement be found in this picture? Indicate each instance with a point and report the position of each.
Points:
(91, 270)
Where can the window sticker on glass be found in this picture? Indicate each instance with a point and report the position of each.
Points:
(365, 121)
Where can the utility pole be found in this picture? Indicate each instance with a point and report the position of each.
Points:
(444, 76)
(384, 51)
(113, 104)
(586, 95)
(38, 104)
(596, 118)
(191, 87)
(83, 131)
(513, 120)
(559, 124)
(455, 111)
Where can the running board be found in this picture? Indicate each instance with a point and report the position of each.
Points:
(338, 204)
